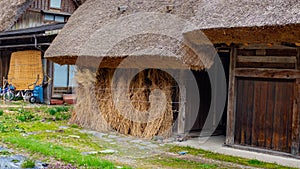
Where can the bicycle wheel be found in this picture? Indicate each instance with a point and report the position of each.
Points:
(32, 99)
(9, 96)
(27, 95)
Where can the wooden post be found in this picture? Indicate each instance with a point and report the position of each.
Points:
(295, 120)
(49, 87)
(68, 78)
(296, 113)
(231, 99)
(181, 114)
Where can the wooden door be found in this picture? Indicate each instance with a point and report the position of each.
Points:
(264, 113)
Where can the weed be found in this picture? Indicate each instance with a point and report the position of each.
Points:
(74, 126)
(3, 128)
(28, 164)
(1, 112)
(60, 113)
(25, 116)
(63, 116)
(13, 109)
(15, 161)
(62, 109)
(52, 111)
(5, 153)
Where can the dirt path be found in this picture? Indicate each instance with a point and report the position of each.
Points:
(137, 152)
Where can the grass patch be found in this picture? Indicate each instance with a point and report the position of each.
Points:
(60, 113)
(27, 116)
(13, 109)
(5, 153)
(66, 154)
(15, 161)
(1, 112)
(179, 163)
(28, 164)
(227, 158)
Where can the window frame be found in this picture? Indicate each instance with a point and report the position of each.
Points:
(54, 18)
(54, 7)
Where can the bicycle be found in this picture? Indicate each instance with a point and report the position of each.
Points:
(24, 94)
(7, 91)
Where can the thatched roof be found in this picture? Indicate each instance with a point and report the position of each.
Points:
(244, 21)
(220, 20)
(10, 11)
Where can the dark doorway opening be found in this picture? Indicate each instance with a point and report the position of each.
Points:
(205, 93)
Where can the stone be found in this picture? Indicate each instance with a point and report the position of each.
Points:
(112, 136)
(74, 136)
(63, 127)
(136, 141)
(108, 151)
(90, 153)
(158, 138)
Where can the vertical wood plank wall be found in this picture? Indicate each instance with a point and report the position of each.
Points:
(33, 17)
(67, 6)
(264, 113)
(263, 99)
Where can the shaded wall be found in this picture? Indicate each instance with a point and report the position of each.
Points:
(4, 64)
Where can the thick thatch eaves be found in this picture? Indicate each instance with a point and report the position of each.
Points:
(10, 10)
(222, 22)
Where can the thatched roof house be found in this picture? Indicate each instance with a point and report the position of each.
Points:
(260, 40)
(10, 11)
(27, 27)
(222, 21)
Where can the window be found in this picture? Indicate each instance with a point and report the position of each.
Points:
(61, 78)
(49, 17)
(53, 17)
(59, 18)
(55, 3)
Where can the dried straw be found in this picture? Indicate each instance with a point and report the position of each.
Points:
(149, 91)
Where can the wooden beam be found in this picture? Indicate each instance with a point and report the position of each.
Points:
(265, 46)
(261, 52)
(298, 59)
(295, 123)
(267, 73)
(267, 59)
(231, 99)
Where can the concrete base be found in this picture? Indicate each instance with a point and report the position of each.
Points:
(216, 144)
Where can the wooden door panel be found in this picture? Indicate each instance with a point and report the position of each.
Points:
(264, 113)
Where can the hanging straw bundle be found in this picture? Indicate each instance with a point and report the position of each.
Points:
(143, 108)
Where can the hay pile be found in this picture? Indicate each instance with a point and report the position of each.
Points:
(143, 108)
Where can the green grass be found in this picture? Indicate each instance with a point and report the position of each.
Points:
(13, 109)
(60, 113)
(26, 116)
(227, 158)
(5, 153)
(66, 154)
(179, 163)
(1, 112)
(28, 164)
